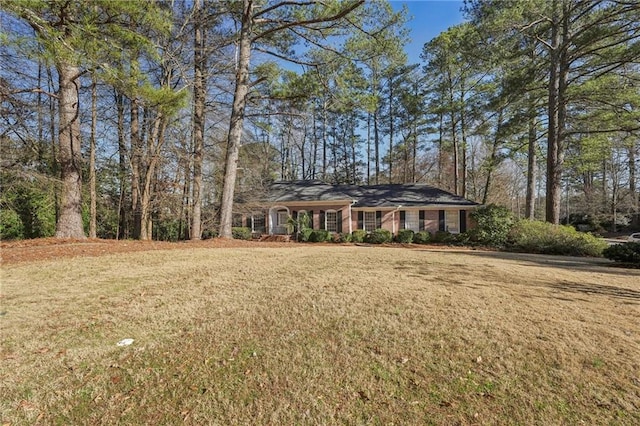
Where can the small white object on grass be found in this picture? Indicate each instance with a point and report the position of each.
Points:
(125, 342)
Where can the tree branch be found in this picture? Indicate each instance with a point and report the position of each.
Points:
(286, 25)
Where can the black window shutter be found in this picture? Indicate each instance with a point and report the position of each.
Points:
(310, 219)
(463, 221)
(322, 219)
(403, 219)
(441, 222)
(378, 219)
(360, 220)
(421, 220)
(339, 218)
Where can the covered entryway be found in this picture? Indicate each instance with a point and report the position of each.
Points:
(278, 220)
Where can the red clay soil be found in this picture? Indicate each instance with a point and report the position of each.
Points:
(52, 248)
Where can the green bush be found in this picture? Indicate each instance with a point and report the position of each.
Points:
(36, 210)
(343, 237)
(241, 233)
(379, 236)
(546, 238)
(358, 235)
(405, 236)
(628, 253)
(422, 237)
(304, 234)
(493, 224)
(461, 239)
(168, 230)
(11, 227)
(441, 237)
(319, 236)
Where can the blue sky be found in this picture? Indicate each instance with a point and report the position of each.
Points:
(428, 19)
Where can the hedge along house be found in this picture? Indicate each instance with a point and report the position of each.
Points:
(346, 208)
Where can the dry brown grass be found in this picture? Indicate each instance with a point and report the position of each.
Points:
(320, 335)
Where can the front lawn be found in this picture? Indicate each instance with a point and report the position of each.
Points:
(326, 334)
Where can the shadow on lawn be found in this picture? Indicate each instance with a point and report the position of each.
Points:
(584, 264)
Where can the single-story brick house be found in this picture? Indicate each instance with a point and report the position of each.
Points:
(345, 208)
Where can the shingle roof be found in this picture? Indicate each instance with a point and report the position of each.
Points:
(393, 195)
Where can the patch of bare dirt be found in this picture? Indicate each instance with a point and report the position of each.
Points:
(53, 248)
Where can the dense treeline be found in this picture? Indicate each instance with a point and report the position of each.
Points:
(148, 119)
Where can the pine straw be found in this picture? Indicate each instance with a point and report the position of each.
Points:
(320, 335)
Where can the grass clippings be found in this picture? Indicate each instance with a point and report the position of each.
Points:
(319, 335)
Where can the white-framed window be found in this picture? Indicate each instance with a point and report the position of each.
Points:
(369, 221)
(283, 217)
(412, 220)
(331, 220)
(452, 221)
(258, 223)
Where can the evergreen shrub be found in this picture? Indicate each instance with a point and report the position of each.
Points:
(304, 234)
(343, 237)
(11, 227)
(422, 237)
(241, 233)
(358, 235)
(405, 236)
(626, 253)
(319, 236)
(493, 224)
(546, 238)
(441, 237)
(379, 236)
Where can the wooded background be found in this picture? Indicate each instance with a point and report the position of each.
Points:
(147, 119)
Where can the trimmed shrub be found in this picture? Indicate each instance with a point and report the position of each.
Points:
(460, 239)
(422, 237)
(405, 236)
(493, 224)
(441, 237)
(358, 235)
(241, 233)
(379, 236)
(627, 253)
(319, 236)
(545, 238)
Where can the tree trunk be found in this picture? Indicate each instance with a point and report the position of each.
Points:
(156, 138)
(123, 228)
(440, 147)
(493, 158)
(324, 139)
(92, 160)
(368, 148)
(136, 165)
(463, 147)
(391, 130)
(236, 123)
(454, 138)
(199, 90)
(633, 190)
(69, 223)
(557, 113)
(530, 207)
(456, 168)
